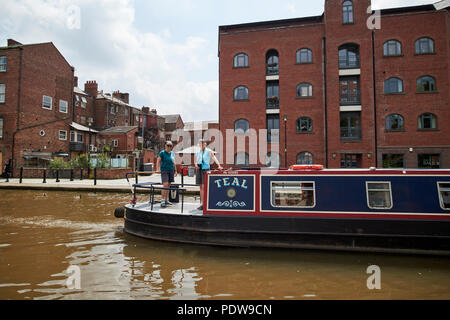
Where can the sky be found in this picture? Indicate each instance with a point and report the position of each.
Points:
(163, 53)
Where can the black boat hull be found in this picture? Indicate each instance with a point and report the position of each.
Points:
(369, 235)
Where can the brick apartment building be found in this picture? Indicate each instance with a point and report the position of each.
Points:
(36, 90)
(333, 91)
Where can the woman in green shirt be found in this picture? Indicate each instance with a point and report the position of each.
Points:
(166, 166)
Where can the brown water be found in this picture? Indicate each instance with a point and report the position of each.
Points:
(43, 233)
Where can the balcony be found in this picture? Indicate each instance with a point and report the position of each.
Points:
(351, 133)
(273, 103)
(77, 147)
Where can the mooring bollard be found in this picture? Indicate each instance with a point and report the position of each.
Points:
(81, 174)
(21, 175)
(182, 177)
(95, 176)
(137, 180)
(71, 174)
(57, 176)
(45, 176)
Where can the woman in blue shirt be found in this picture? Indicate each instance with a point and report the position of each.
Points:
(202, 160)
(166, 165)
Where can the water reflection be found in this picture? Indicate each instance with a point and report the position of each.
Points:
(41, 235)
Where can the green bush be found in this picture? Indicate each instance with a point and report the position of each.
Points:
(59, 164)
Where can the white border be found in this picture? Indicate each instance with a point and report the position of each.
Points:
(348, 212)
(390, 195)
(441, 200)
(287, 182)
(232, 175)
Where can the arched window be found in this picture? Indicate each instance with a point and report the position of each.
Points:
(304, 124)
(241, 126)
(272, 62)
(392, 48)
(426, 84)
(393, 85)
(395, 122)
(427, 121)
(424, 46)
(304, 56)
(241, 60)
(241, 93)
(241, 159)
(347, 12)
(349, 56)
(273, 160)
(305, 158)
(304, 90)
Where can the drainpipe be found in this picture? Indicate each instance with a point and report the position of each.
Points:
(374, 99)
(325, 98)
(18, 110)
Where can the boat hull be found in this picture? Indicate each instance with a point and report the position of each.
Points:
(370, 235)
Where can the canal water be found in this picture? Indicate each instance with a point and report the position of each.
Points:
(42, 234)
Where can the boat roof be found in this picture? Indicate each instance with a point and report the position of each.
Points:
(367, 171)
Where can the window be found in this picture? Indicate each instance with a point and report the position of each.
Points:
(272, 63)
(115, 143)
(273, 128)
(350, 160)
(395, 122)
(393, 161)
(349, 56)
(112, 109)
(424, 46)
(429, 161)
(304, 56)
(347, 12)
(427, 121)
(379, 195)
(47, 102)
(393, 85)
(392, 48)
(304, 124)
(62, 135)
(273, 160)
(273, 95)
(241, 60)
(241, 93)
(426, 84)
(83, 102)
(2, 64)
(304, 90)
(76, 137)
(241, 159)
(241, 126)
(2, 93)
(293, 194)
(350, 126)
(444, 195)
(63, 106)
(1, 128)
(349, 91)
(305, 158)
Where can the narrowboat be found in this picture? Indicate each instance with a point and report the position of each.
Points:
(378, 210)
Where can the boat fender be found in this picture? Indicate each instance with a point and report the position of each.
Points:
(119, 212)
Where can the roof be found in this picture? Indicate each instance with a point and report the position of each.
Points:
(111, 98)
(80, 127)
(118, 130)
(316, 19)
(199, 125)
(442, 4)
(171, 118)
(79, 91)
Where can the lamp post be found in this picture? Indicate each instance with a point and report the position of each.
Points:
(89, 149)
(285, 140)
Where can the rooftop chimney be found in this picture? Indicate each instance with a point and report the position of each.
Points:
(125, 97)
(91, 88)
(145, 110)
(75, 81)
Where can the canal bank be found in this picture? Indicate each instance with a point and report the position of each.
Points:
(88, 185)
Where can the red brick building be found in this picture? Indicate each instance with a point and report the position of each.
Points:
(337, 90)
(36, 90)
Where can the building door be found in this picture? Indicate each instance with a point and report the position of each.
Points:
(1, 163)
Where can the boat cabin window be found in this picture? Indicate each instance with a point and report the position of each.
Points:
(379, 195)
(444, 195)
(293, 194)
